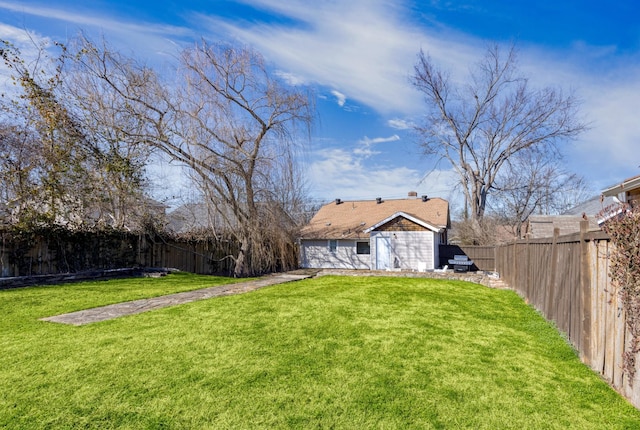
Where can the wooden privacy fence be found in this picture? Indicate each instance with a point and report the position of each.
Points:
(74, 252)
(567, 279)
(203, 256)
(483, 257)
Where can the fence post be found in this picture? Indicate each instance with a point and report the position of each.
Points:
(514, 266)
(551, 291)
(495, 257)
(585, 290)
(527, 272)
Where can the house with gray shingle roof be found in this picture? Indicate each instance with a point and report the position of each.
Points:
(376, 234)
(541, 226)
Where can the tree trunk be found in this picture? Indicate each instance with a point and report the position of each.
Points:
(242, 265)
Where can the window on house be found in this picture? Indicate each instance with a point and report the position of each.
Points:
(333, 245)
(363, 248)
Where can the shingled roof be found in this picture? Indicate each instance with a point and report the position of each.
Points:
(350, 219)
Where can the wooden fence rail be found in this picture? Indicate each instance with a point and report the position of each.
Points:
(567, 279)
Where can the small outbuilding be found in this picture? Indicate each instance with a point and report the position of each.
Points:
(397, 234)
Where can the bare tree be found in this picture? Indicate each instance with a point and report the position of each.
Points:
(490, 232)
(534, 182)
(229, 121)
(479, 125)
(238, 122)
(119, 157)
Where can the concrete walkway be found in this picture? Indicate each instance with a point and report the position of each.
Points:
(108, 312)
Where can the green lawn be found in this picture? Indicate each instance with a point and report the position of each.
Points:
(331, 352)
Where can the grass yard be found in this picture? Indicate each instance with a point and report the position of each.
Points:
(331, 352)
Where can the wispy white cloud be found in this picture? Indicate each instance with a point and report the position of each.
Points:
(400, 124)
(365, 152)
(608, 152)
(23, 39)
(340, 172)
(364, 46)
(337, 173)
(29, 44)
(340, 98)
(93, 20)
(368, 141)
(291, 78)
(133, 37)
(364, 146)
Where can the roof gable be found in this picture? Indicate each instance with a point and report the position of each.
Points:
(407, 216)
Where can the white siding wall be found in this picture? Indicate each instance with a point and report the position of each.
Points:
(408, 248)
(315, 254)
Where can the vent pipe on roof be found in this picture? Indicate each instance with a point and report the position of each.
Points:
(378, 200)
(425, 198)
(338, 201)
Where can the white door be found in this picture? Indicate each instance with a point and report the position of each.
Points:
(383, 253)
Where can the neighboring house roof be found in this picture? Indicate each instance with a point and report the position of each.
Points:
(191, 217)
(592, 210)
(354, 219)
(539, 226)
(591, 207)
(199, 217)
(625, 186)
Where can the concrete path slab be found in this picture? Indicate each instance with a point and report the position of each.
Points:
(108, 312)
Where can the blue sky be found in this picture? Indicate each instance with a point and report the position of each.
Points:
(357, 56)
